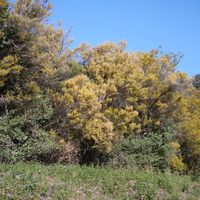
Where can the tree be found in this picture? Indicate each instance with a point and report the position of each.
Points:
(31, 61)
(133, 92)
(145, 83)
(188, 116)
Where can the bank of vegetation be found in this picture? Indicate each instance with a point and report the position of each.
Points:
(91, 105)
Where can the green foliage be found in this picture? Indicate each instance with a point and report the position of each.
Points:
(22, 137)
(150, 150)
(196, 81)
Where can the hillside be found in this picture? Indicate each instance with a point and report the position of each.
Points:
(35, 181)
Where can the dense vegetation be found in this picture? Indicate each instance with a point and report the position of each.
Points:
(92, 105)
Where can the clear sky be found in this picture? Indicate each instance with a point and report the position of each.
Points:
(143, 24)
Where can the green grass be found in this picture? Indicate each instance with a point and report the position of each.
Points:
(36, 181)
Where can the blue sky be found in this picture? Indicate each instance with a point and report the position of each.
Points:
(143, 24)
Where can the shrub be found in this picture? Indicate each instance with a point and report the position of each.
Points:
(22, 136)
(152, 150)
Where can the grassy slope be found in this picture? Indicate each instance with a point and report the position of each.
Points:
(35, 181)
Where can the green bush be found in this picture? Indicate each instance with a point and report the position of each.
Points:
(152, 150)
(22, 136)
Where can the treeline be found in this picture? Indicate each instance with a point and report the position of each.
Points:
(92, 104)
